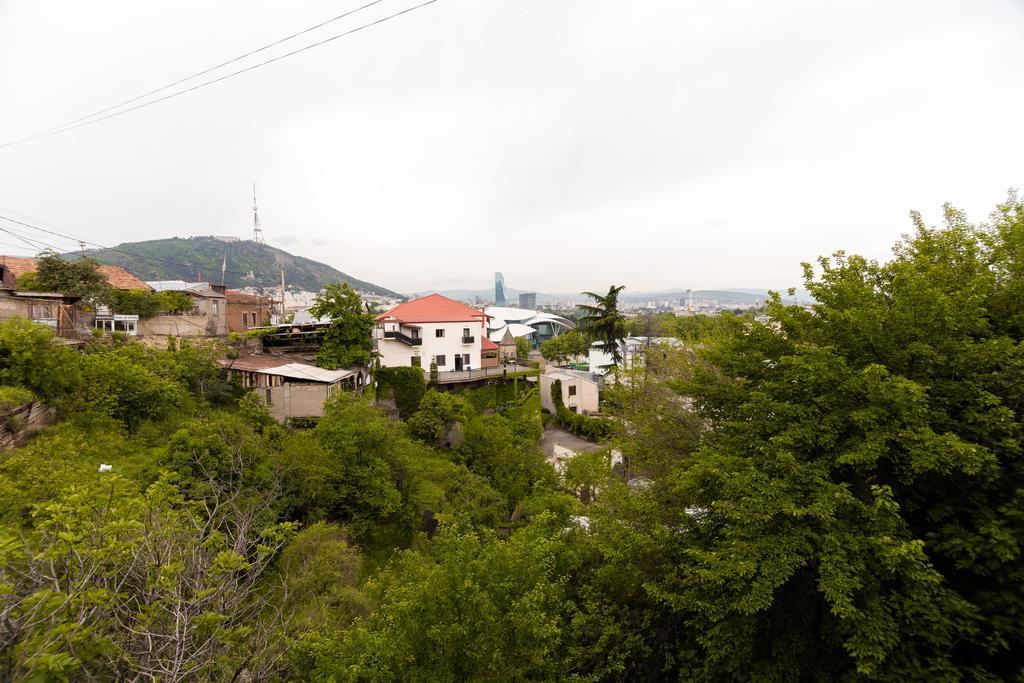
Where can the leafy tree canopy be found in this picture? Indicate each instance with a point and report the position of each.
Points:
(603, 322)
(349, 338)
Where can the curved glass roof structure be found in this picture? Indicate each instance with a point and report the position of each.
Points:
(524, 322)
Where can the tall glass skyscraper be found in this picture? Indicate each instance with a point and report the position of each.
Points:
(499, 289)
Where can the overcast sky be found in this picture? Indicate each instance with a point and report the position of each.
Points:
(569, 143)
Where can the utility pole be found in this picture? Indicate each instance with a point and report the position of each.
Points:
(282, 296)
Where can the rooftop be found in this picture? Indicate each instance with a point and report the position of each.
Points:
(433, 308)
(293, 367)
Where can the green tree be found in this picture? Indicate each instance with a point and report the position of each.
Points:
(569, 345)
(115, 384)
(320, 568)
(437, 412)
(477, 609)
(523, 348)
(147, 304)
(603, 322)
(80, 277)
(505, 451)
(31, 356)
(114, 583)
(857, 500)
(405, 384)
(348, 340)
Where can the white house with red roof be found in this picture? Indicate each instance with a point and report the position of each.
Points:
(432, 327)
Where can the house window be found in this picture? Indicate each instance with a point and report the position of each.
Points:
(416, 362)
(465, 331)
(465, 359)
(414, 333)
(216, 308)
(270, 399)
(438, 333)
(440, 360)
(245, 320)
(254, 319)
(572, 390)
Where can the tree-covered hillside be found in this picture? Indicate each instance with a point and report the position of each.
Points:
(179, 258)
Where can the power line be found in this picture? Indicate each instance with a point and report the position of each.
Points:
(206, 71)
(78, 123)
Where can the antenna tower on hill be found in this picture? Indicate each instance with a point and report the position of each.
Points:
(257, 231)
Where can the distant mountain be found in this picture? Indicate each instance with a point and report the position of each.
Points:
(723, 296)
(190, 258)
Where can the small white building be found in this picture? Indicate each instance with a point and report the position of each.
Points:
(430, 328)
(580, 392)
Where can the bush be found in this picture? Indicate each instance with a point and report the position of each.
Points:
(407, 386)
(12, 397)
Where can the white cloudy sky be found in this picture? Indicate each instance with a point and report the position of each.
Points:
(568, 143)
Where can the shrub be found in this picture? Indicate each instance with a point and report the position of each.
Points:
(407, 386)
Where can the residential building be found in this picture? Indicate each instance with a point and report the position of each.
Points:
(528, 300)
(53, 309)
(429, 328)
(580, 391)
(538, 327)
(245, 311)
(207, 318)
(289, 386)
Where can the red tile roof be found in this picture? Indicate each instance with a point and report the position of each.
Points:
(487, 345)
(118, 277)
(432, 309)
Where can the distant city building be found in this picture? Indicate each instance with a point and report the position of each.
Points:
(226, 238)
(499, 289)
(528, 300)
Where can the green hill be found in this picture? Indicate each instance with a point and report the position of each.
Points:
(189, 258)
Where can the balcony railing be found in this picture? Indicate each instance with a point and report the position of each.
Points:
(402, 337)
(468, 339)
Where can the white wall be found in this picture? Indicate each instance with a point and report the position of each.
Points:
(586, 400)
(395, 353)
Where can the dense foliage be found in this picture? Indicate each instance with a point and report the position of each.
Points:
(348, 340)
(566, 346)
(406, 385)
(835, 494)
